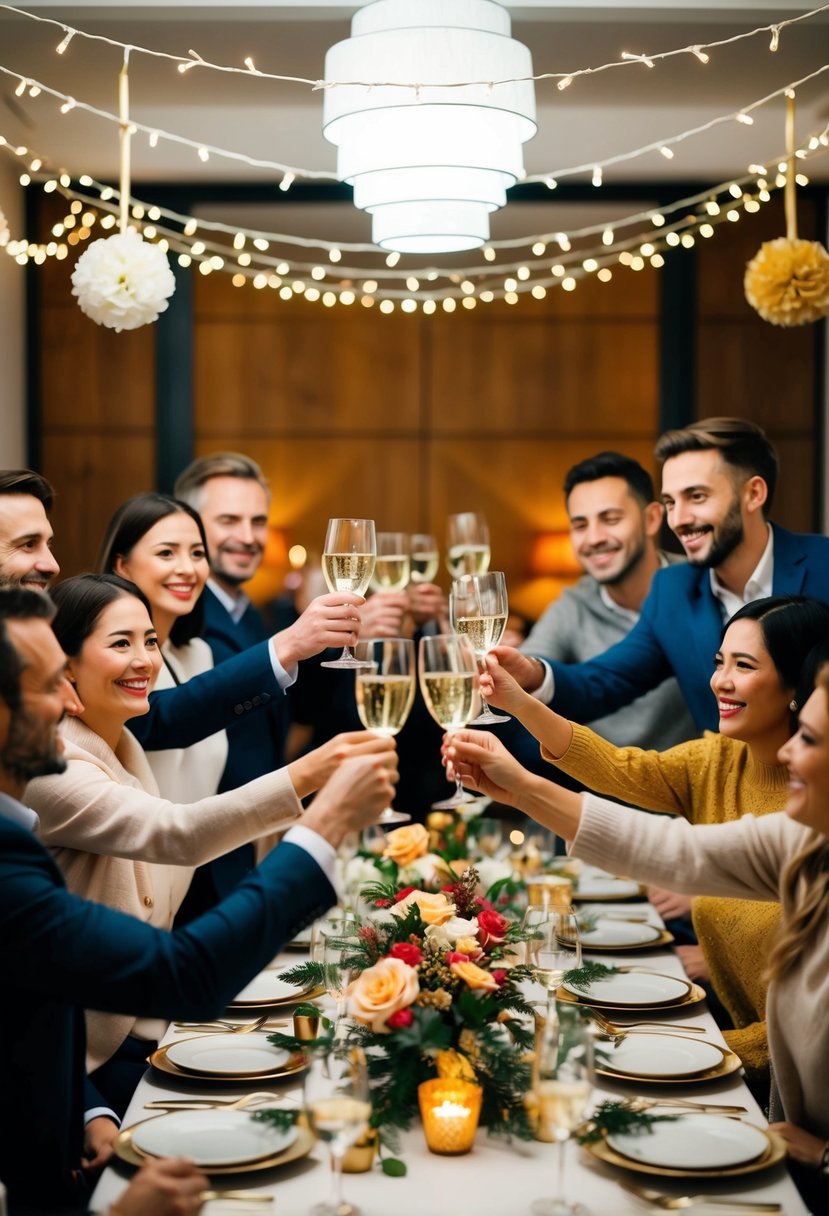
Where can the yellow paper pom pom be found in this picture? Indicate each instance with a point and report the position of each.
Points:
(453, 1064)
(787, 281)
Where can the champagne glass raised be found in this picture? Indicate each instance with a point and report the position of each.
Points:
(391, 567)
(385, 689)
(467, 544)
(448, 681)
(478, 608)
(425, 557)
(348, 564)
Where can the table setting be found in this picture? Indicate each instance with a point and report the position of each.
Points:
(427, 1063)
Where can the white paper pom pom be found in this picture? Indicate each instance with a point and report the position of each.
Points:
(122, 282)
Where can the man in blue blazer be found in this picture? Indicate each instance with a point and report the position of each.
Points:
(718, 482)
(60, 954)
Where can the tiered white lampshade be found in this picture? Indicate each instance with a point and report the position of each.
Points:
(430, 167)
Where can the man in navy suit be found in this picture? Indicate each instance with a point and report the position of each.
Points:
(718, 482)
(60, 954)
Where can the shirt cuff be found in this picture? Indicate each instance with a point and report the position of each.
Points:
(322, 852)
(98, 1112)
(283, 678)
(547, 688)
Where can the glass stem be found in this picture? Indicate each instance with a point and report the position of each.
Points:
(336, 1181)
(561, 1156)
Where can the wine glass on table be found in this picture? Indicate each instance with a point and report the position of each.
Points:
(467, 544)
(385, 689)
(555, 947)
(563, 1090)
(391, 565)
(347, 564)
(448, 681)
(425, 557)
(336, 949)
(338, 1107)
(478, 608)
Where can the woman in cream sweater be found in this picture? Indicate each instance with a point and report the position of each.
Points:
(115, 838)
(783, 856)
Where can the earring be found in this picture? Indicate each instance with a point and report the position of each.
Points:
(793, 705)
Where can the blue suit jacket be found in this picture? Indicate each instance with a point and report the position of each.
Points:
(678, 634)
(60, 954)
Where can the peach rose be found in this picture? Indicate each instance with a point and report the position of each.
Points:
(434, 909)
(403, 845)
(474, 976)
(380, 991)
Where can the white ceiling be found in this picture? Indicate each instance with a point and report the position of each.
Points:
(598, 116)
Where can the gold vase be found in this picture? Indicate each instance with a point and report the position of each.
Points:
(360, 1157)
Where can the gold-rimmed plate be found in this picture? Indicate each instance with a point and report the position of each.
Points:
(159, 1060)
(694, 997)
(663, 938)
(268, 991)
(730, 1063)
(774, 1154)
(125, 1149)
(607, 889)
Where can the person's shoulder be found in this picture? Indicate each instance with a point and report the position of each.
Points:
(807, 542)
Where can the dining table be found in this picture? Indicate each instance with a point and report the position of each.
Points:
(498, 1177)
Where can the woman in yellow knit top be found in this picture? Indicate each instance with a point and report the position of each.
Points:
(710, 780)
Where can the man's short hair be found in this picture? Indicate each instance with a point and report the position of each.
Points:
(190, 483)
(612, 464)
(17, 604)
(24, 481)
(742, 444)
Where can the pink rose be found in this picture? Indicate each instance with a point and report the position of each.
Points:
(492, 928)
(408, 952)
(400, 1020)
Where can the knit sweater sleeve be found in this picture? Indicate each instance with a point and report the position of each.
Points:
(659, 781)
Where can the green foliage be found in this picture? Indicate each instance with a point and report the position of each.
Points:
(305, 975)
(280, 1119)
(613, 1117)
(582, 977)
(393, 1167)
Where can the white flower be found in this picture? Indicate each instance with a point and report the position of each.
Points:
(430, 869)
(447, 934)
(490, 871)
(358, 871)
(123, 282)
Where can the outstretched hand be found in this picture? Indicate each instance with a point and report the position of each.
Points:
(168, 1186)
(498, 686)
(311, 771)
(356, 795)
(527, 672)
(484, 764)
(329, 620)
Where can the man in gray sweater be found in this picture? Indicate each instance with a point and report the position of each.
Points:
(614, 528)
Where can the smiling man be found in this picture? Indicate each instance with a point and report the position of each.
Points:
(26, 558)
(718, 482)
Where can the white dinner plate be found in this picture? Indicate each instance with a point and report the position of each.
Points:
(266, 988)
(211, 1137)
(660, 1055)
(228, 1054)
(692, 1142)
(609, 932)
(597, 887)
(633, 989)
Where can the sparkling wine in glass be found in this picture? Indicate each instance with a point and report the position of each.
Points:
(425, 558)
(478, 607)
(338, 1107)
(555, 947)
(392, 564)
(449, 683)
(467, 544)
(347, 564)
(385, 689)
(563, 1089)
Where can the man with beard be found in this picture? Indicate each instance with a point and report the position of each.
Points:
(60, 954)
(718, 482)
(25, 532)
(614, 530)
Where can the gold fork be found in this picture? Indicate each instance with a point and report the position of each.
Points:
(209, 1104)
(613, 1028)
(682, 1104)
(235, 1196)
(229, 1027)
(676, 1203)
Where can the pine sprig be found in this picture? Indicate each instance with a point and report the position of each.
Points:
(588, 973)
(610, 1118)
(279, 1118)
(305, 975)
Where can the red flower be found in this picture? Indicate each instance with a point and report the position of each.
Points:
(401, 1019)
(402, 894)
(492, 928)
(500, 976)
(407, 953)
(455, 956)
(382, 903)
(487, 904)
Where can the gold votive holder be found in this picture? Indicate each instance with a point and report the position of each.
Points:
(306, 1026)
(437, 822)
(550, 890)
(450, 1109)
(360, 1157)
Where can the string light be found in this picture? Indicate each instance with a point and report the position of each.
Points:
(64, 42)
(667, 152)
(700, 54)
(597, 175)
(638, 58)
(68, 105)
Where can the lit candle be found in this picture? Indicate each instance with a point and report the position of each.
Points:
(450, 1109)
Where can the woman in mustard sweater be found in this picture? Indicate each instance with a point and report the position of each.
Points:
(714, 779)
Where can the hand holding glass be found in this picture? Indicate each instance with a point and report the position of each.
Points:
(478, 608)
(348, 564)
(385, 689)
(448, 681)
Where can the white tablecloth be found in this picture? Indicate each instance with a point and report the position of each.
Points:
(496, 1178)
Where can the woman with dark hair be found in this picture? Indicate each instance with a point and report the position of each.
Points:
(709, 780)
(159, 544)
(115, 838)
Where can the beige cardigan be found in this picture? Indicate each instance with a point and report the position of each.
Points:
(119, 843)
(743, 859)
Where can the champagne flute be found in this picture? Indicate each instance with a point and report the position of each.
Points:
(448, 681)
(478, 608)
(385, 691)
(391, 567)
(338, 1106)
(555, 947)
(488, 834)
(347, 564)
(563, 1089)
(425, 558)
(467, 544)
(336, 948)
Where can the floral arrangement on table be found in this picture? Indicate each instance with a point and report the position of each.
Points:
(437, 995)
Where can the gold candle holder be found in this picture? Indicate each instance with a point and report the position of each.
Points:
(450, 1109)
(437, 822)
(550, 890)
(306, 1026)
(360, 1157)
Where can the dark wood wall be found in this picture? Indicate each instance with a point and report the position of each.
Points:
(408, 418)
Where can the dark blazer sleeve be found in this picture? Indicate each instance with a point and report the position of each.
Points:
(212, 701)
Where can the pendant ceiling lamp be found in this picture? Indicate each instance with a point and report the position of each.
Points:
(430, 164)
